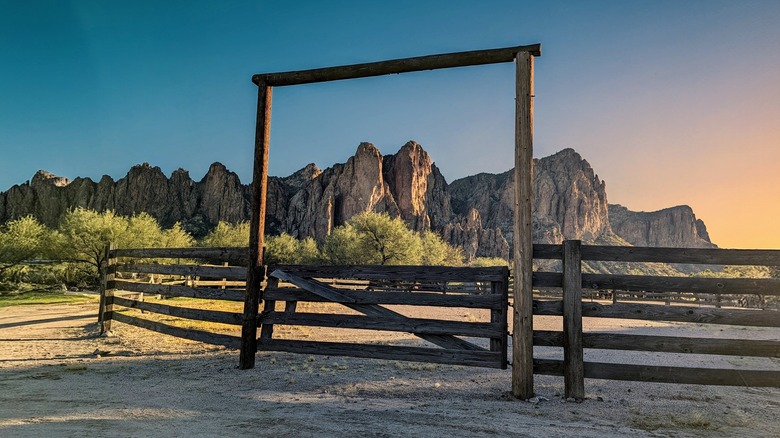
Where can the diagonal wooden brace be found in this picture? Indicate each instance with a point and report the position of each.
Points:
(336, 296)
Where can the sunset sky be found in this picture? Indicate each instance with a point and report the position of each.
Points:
(671, 102)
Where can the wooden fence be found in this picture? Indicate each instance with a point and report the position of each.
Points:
(368, 291)
(130, 274)
(573, 309)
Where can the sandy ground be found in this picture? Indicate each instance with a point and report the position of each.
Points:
(58, 378)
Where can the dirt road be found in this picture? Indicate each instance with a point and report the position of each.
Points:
(58, 378)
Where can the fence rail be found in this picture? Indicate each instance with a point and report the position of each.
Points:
(390, 285)
(126, 284)
(572, 308)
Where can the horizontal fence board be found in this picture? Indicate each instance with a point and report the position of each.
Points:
(709, 256)
(664, 374)
(226, 272)
(666, 344)
(548, 251)
(420, 273)
(763, 286)
(191, 334)
(227, 254)
(640, 283)
(659, 312)
(411, 325)
(179, 291)
(487, 359)
(182, 312)
(399, 298)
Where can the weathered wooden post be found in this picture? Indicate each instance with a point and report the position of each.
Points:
(573, 357)
(255, 272)
(522, 315)
(106, 306)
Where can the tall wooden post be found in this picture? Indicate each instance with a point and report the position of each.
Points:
(522, 315)
(255, 272)
(106, 289)
(573, 358)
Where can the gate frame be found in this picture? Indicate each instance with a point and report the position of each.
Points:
(522, 315)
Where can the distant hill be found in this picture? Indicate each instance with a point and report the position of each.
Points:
(475, 212)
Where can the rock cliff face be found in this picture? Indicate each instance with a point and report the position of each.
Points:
(670, 227)
(570, 201)
(219, 196)
(475, 212)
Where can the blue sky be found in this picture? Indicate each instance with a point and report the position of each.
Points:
(671, 102)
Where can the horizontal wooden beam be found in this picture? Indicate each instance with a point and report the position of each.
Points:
(227, 254)
(395, 66)
(404, 298)
(179, 291)
(488, 359)
(657, 312)
(226, 272)
(409, 325)
(191, 334)
(666, 344)
(182, 312)
(666, 374)
(416, 273)
(709, 256)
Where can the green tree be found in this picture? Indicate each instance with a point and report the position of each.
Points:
(373, 238)
(481, 262)
(309, 253)
(22, 239)
(282, 249)
(227, 235)
(437, 252)
(177, 237)
(85, 234)
(344, 247)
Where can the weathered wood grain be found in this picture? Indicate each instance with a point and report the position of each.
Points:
(229, 272)
(522, 317)
(181, 312)
(409, 273)
(395, 66)
(664, 374)
(487, 359)
(411, 325)
(180, 291)
(191, 334)
(666, 344)
(399, 298)
(656, 312)
(713, 256)
(230, 254)
(573, 356)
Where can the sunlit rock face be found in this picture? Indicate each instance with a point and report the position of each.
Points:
(674, 227)
(475, 212)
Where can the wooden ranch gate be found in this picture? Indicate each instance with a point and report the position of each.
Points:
(523, 57)
(368, 291)
(572, 308)
(130, 274)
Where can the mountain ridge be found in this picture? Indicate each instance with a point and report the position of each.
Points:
(474, 212)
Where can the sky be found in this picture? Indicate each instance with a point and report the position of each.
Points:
(671, 102)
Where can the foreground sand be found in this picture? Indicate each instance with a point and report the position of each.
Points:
(57, 378)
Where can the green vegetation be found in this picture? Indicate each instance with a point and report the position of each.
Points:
(41, 297)
(73, 254)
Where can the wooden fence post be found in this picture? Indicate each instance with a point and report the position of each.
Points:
(255, 272)
(573, 358)
(106, 306)
(522, 315)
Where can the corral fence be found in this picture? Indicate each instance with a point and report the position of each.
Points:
(572, 308)
(200, 274)
(372, 295)
(370, 292)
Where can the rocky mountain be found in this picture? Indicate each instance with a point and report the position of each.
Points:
(474, 212)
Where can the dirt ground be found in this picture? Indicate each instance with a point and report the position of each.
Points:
(59, 378)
